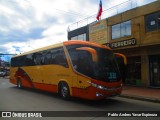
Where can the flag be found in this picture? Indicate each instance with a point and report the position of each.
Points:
(99, 11)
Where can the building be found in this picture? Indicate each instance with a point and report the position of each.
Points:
(135, 33)
(79, 34)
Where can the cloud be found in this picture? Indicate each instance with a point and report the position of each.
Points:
(29, 24)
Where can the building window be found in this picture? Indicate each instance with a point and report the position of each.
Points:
(74, 38)
(79, 37)
(116, 31)
(152, 22)
(121, 30)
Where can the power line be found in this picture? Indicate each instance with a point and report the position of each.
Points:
(60, 11)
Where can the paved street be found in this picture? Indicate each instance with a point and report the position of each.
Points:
(14, 99)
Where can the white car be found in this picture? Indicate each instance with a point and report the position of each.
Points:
(2, 74)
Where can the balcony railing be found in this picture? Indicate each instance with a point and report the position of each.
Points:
(125, 6)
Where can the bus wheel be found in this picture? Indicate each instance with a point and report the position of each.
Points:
(64, 90)
(19, 84)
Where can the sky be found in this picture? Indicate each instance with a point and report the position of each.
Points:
(29, 24)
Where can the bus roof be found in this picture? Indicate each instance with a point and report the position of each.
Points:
(70, 42)
(41, 49)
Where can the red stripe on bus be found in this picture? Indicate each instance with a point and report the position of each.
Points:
(46, 87)
(90, 93)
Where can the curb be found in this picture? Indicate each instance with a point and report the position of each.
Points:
(155, 100)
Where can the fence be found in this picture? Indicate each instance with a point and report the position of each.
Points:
(130, 4)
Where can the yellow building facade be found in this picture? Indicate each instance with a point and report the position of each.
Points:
(136, 33)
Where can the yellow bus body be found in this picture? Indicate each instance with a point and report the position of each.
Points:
(48, 77)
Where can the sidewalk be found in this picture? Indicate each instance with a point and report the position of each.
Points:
(141, 93)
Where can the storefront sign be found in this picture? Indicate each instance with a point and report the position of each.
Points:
(98, 32)
(123, 43)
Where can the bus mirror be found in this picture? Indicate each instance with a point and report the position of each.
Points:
(119, 55)
(92, 51)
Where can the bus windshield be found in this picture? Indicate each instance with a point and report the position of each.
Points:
(105, 69)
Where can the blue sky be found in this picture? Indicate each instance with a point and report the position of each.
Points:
(29, 24)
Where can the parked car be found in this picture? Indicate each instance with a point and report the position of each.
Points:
(2, 74)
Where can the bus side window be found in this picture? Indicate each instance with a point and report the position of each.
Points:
(53, 56)
(29, 60)
(58, 57)
(84, 63)
(74, 57)
(48, 58)
(37, 58)
(21, 61)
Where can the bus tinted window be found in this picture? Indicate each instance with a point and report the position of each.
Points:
(29, 61)
(52, 56)
(18, 62)
(82, 62)
(105, 69)
(37, 58)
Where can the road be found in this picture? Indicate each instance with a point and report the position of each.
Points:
(14, 99)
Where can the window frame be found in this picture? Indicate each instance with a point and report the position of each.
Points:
(122, 26)
(83, 36)
(152, 22)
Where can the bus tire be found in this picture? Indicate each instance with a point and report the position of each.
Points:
(19, 84)
(63, 90)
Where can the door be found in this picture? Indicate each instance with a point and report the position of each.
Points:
(155, 70)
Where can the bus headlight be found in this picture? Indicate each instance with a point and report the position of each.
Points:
(98, 86)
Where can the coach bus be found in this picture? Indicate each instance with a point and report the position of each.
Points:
(71, 68)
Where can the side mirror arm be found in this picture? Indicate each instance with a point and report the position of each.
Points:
(123, 56)
(92, 51)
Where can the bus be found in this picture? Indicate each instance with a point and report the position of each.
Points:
(72, 68)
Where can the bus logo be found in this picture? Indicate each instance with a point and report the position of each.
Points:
(6, 114)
